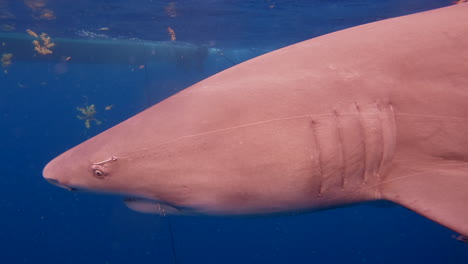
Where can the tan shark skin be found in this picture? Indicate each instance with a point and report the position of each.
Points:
(378, 111)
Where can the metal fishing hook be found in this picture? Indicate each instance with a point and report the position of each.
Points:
(113, 158)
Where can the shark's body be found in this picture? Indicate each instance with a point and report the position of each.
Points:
(378, 111)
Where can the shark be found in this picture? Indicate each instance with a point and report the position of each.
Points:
(374, 112)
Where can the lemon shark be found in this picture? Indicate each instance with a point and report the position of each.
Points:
(374, 112)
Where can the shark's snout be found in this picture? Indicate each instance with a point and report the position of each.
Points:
(50, 174)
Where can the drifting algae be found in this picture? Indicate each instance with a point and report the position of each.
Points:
(6, 59)
(88, 112)
(46, 46)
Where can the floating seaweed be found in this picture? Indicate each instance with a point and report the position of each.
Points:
(39, 9)
(46, 46)
(32, 33)
(88, 112)
(47, 14)
(6, 59)
(171, 33)
(171, 9)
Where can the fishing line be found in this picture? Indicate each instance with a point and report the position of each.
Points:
(146, 90)
(146, 94)
(174, 255)
(220, 53)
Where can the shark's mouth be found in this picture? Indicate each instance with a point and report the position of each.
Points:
(57, 183)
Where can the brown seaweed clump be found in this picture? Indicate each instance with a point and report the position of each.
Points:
(32, 33)
(6, 59)
(171, 33)
(39, 9)
(171, 9)
(45, 47)
(88, 112)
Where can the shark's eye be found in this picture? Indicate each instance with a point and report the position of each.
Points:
(98, 171)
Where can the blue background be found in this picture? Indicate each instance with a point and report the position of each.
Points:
(40, 223)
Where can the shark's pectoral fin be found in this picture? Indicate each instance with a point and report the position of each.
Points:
(150, 207)
(461, 238)
(440, 194)
(142, 205)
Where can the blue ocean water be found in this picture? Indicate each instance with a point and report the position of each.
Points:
(41, 223)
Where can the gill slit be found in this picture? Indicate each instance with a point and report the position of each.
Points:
(382, 139)
(392, 140)
(318, 157)
(342, 148)
(364, 144)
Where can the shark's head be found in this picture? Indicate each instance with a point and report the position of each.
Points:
(125, 161)
(82, 169)
(188, 174)
(78, 169)
(223, 171)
